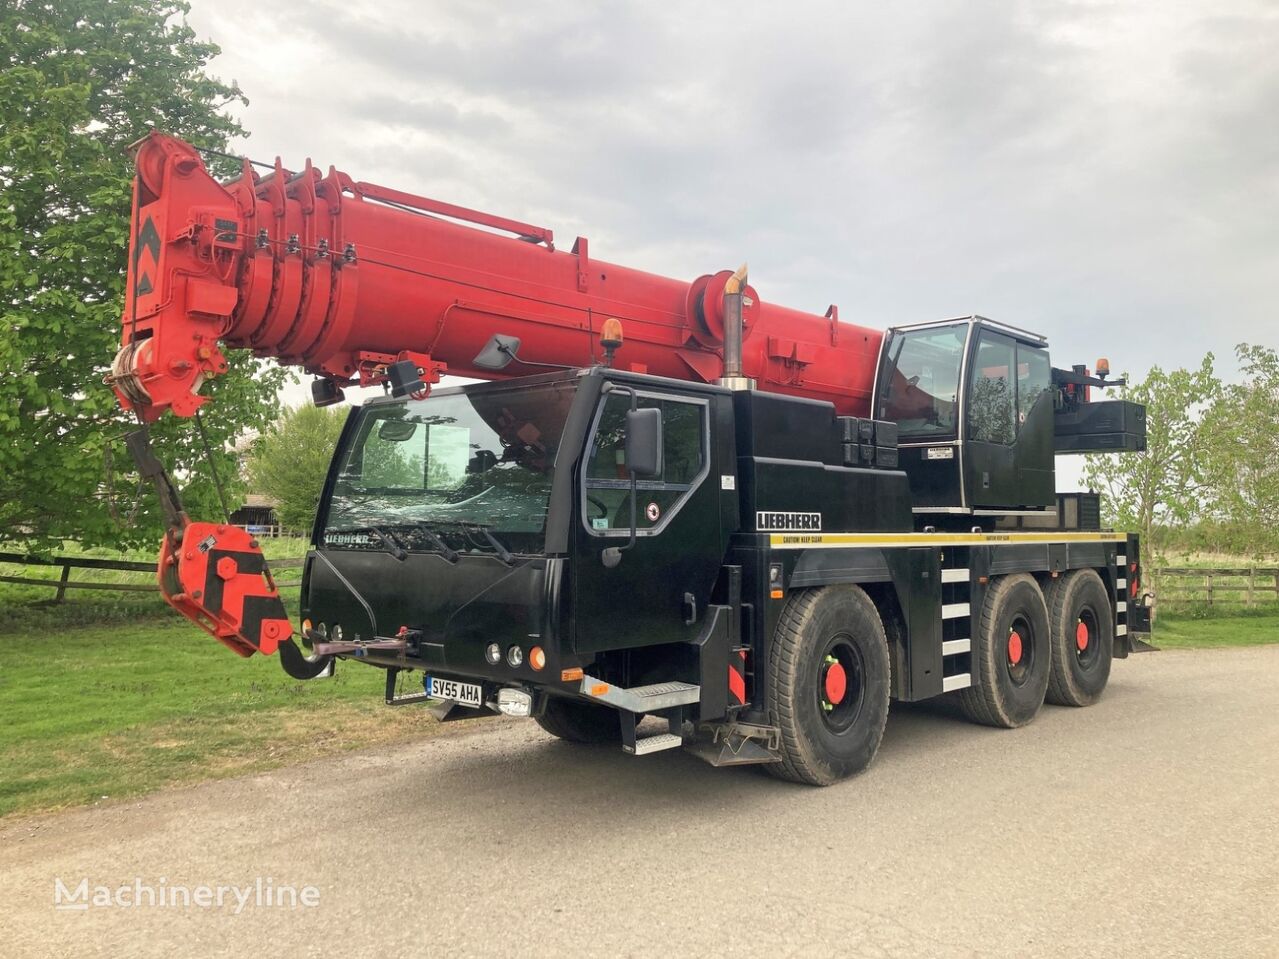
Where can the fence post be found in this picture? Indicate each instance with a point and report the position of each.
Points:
(1252, 576)
(62, 584)
(1208, 586)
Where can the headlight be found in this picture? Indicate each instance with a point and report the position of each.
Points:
(493, 654)
(515, 655)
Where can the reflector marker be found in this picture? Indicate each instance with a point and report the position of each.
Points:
(954, 575)
(1121, 560)
(1121, 607)
(1121, 630)
(962, 681)
(737, 677)
(953, 647)
(954, 610)
(1121, 584)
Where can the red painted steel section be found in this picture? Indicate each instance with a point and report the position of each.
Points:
(339, 276)
(236, 602)
(1014, 647)
(836, 684)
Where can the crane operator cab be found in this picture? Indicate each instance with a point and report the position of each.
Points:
(981, 414)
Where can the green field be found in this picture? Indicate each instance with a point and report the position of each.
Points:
(115, 711)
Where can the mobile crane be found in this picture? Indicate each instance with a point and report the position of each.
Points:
(673, 501)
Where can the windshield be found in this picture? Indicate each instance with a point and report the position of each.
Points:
(461, 470)
(919, 384)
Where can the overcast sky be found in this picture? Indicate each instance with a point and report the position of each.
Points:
(1104, 173)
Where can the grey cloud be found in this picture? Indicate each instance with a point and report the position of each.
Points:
(436, 114)
(536, 51)
(1106, 173)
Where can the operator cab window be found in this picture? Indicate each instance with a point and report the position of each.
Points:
(991, 399)
(607, 503)
(920, 381)
(1034, 379)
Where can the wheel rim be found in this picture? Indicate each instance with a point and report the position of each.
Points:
(1087, 634)
(1019, 652)
(840, 684)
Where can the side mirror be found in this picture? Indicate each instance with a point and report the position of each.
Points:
(325, 392)
(396, 431)
(497, 353)
(644, 442)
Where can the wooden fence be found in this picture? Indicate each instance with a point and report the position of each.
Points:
(131, 582)
(1178, 586)
(275, 532)
(1218, 586)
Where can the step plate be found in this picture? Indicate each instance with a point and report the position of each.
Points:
(655, 744)
(640, 699)
(661, 689)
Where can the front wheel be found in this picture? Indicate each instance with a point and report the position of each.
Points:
(828, 684)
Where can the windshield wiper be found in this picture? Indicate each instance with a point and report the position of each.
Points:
(434, 538)
(392, 547)
(387, 542)
(504, 554)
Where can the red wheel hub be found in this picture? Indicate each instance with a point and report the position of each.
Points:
(836, 683)
(1014, 647)
(1081, 636)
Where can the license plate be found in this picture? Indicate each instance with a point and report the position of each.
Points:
(465, 694)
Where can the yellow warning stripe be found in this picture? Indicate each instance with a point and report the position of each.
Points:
(854, 540)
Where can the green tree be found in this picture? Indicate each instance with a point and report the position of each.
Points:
(1242, 462)
(1163, 486)
(290, 460)
(79, 81)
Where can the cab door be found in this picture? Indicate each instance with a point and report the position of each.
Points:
(1008, 457)
(659, 591)
(990, 479)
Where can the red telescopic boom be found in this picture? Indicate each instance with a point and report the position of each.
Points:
(343, 277)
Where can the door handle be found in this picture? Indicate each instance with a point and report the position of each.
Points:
(690, 609)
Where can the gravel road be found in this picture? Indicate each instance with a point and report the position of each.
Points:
(1146, 825)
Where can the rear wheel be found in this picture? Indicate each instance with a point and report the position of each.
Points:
(576, 722)
(828, 684)
(1011, 655)
(1083, 638)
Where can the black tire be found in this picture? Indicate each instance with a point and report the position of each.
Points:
(1009, 679)
(826, 738)
(576, 722)
(1083, 638)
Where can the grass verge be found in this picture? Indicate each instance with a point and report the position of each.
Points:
(117, 711)
(1173, 631)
